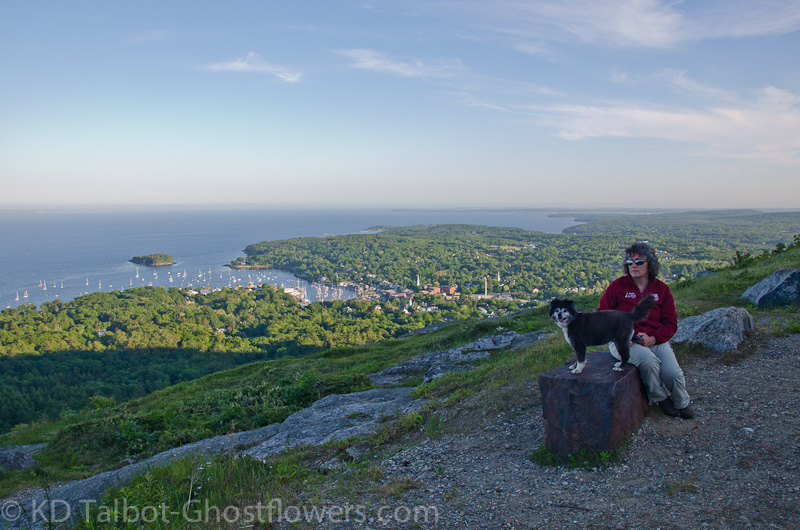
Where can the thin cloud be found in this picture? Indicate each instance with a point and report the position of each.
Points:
(654, 24)
(467, 88)
(366, 59)
(647, 23)
(680, 81)
(767, 129)
(537, 49)
(677, 80)
(744, 18)
(469, 101)
(252, 62)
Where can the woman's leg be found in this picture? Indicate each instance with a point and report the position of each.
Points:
(672, 375)
(649, 366)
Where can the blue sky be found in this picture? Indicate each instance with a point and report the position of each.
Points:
(424, 103)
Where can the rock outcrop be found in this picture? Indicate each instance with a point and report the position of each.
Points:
(435, 364)
(719, 330)
(337, 417)
(780, 287)
(18, 457)
(16, 461)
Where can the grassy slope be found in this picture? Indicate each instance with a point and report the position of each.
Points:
(240, 399)
(457, 402)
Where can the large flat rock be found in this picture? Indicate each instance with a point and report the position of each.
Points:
(338, 416)
(595, 410)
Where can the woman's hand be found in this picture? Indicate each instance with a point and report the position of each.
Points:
(646, 340)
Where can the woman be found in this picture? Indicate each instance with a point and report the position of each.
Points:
(650, 351)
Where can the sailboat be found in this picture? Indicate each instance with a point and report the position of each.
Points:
(17, 298)
(44, 287)
(87, 281)
(100, 285)
(25, 295)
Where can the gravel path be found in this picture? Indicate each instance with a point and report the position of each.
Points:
(736, 465)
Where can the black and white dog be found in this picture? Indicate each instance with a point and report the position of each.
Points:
(601, 327)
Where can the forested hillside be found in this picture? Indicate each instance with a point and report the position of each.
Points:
(530, 265)
(127, 344)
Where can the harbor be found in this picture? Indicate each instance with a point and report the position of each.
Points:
(201, 281)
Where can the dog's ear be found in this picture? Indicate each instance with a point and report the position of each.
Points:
(572, 305)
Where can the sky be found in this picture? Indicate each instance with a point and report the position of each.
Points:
(401, 103)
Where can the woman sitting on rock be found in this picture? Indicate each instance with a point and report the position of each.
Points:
(650, 351)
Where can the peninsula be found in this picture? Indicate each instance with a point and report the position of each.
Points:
(241, 263)
(153, 260)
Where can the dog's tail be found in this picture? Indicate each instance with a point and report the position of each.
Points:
(641, 311)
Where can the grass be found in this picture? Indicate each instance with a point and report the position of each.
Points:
(435, 426)
(682, 486)
(584, 459)
(199, 493)
(725, 288)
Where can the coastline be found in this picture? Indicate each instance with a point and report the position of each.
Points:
(248, 267)
(154, 264)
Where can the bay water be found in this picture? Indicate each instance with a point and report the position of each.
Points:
(49, 255)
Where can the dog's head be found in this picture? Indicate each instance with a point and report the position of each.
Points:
(563, 311)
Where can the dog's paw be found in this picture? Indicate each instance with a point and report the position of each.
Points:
(577, 367)
(618, 367)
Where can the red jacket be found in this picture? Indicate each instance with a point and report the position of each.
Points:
(661, 323)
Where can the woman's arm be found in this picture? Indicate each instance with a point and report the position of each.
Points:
(608, 300)
(669, 318)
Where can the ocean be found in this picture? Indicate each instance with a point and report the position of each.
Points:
(46, 256)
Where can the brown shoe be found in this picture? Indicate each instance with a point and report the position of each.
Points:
(687, 413)
(668, 408)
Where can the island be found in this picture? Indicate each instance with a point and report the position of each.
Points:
(153, 260)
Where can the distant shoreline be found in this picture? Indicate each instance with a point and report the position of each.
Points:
(252, 267)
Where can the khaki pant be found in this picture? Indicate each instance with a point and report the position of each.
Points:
(660, 373)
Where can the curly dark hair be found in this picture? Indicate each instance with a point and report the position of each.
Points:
(645, 251)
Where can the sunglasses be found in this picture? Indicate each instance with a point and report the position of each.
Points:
(636, 261)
